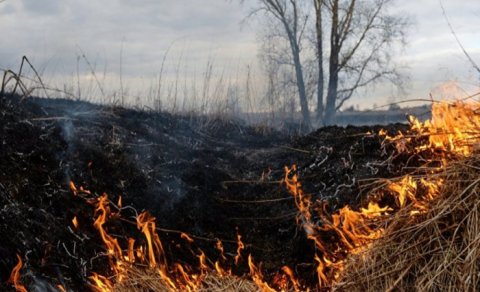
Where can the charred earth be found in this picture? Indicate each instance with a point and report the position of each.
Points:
(210, 178)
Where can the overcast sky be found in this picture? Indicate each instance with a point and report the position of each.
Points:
(54, 33)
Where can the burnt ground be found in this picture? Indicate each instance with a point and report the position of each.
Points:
(208, 177)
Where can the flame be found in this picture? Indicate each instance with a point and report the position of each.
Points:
(187, 237)
(103, 210)
(15, 276)
(75, 222)
(73, 188)
(202, 262)
(146, 223)
(451, 131)
(130, 255)
(119, 202)
(453, 128)
(240, 247)
(354, 230)
(292, 277)
(101, 283)
(257, 276)
(219, 247)
(218, 268)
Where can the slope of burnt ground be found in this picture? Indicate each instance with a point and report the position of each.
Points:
(212, 178)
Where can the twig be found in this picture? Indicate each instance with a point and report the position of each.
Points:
(255, 201)
(296, 149)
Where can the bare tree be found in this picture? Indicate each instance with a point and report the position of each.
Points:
(287, 13)
(361, 37)
(318, 4)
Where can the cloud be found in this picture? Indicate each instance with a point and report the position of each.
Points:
(54, 33)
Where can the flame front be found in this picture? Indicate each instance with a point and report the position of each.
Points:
(453, 130)
(335, 235)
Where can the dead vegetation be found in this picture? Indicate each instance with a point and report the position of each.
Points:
(438, 250)
(143, 280)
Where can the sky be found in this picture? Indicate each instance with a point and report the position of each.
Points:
(125, 42)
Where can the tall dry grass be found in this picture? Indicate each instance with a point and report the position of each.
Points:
(438, 250)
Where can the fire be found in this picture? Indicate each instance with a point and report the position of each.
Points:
(176, 276)
(336, 234)
(146, 223)
(73, 188)
(219, 247)
(131, 247)
(101, 283)
(453, 127)
(240, 247)
(75, 222)
(292, 278)
(257, 276)
(15, 276)
(103, 211)
(451, 131)
(186, 237)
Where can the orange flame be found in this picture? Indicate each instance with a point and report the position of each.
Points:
(185, 236)
(146, 223)
(15, 276)
(257, 276)
(75, 222)
(119, 202)
(130, 255)
(219, 247)
(240, 247)
(103, 210)
(73, 188)
(101, 283)
(291, 276)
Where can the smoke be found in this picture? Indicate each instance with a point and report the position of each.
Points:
(39, 284)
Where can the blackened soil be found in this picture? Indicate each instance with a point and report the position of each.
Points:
(209, 177)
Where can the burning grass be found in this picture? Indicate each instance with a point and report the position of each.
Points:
(438, 250)
(419, 231)
(435, 245)
(416, 228)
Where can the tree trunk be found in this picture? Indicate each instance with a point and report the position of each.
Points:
(320, 82)
(333, 67)
(330, 108)
(299, 75)
(301, 90)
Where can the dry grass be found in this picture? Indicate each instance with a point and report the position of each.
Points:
(213, 283)
(438, 250)
(143, 280)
